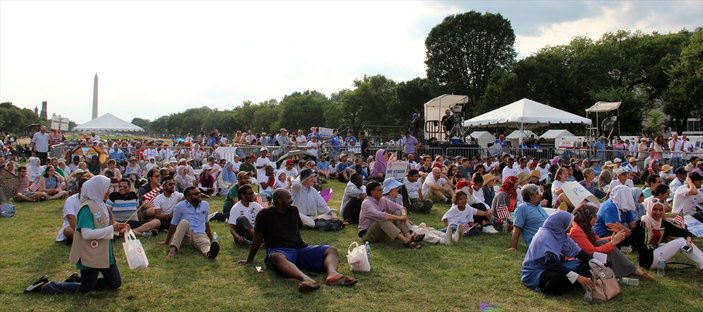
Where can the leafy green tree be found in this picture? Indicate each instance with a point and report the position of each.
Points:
(302, 110)
(144, 123)
(464, 49)
(412, 95)
(684, 97)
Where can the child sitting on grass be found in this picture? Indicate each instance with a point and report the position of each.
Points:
(460, 217)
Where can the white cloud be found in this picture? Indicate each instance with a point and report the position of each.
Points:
(161, 57)
(623, 15)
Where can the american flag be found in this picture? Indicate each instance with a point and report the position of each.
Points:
(679, 221)
(151, 194)
(263, 203)
(503, 213)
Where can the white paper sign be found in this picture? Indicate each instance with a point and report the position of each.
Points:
(397, 170)
(577, 193)
(694, 226)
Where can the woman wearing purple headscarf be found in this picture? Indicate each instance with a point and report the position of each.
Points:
(545, 268)
(378, 170)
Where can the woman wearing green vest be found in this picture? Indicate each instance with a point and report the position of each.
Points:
(91, 250)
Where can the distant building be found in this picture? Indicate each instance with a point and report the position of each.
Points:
(44, 114)
(36, 111)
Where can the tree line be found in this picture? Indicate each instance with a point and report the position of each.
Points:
(473, 54)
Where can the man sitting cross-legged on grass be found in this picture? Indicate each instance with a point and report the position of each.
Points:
(286, 252)
(189, 226)
(381, 218)
(123, 206)
(166, 202)
(243, 216)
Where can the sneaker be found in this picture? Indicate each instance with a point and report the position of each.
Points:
(489, 229)
(74, 278)
(447, 239)
(459, 232)
(626, 249)
(37, 285)
(150, 233)
(448, 201)
(247, 242)
(214, 250)
(212, 216)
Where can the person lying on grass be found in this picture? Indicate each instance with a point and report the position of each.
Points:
(286, 252)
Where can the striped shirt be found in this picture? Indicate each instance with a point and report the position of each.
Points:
(123, 206)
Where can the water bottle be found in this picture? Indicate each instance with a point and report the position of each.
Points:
(661, 265)
(368, 250)
(215, 237)
(588, 296)
(629, 281)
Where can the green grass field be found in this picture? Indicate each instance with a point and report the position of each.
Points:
(434, 278)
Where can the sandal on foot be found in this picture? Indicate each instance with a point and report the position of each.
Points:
(308, 286)
(412, 245)
(37, 285)
(73, 278)
(343, 281)
(418, 238)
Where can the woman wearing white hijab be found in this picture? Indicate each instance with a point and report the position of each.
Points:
(92, 245)
(653, 230)
(34, 170)
(617, 212)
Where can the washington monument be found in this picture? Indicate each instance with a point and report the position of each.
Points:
(95, 97)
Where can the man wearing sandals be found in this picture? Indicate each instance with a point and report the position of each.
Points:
(381, 218)
(287, 253)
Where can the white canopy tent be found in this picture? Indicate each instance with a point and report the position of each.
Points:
(434, 111)
(603, 107)
(518, 136)
(555, 135)
(107, 123)
(482, 138)
(524, 114)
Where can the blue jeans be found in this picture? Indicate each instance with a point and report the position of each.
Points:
(89, 281)
(676, 162)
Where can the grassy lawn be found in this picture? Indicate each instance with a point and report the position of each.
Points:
(434, 278)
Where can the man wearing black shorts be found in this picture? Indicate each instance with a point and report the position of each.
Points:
(286, 252)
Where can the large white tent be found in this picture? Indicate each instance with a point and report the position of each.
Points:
(482, 138)
(555, 135)
(107, 123)
(525, 113)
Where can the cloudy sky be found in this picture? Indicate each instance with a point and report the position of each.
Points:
(161, 57)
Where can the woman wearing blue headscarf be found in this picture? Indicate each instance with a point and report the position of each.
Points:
(545, 268)
(228, 178)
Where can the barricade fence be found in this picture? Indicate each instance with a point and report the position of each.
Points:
(200, 154)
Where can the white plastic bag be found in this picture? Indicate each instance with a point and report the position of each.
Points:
(358, 258)
(136, 257)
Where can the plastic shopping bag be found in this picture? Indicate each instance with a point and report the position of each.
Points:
(136, 257)
(358, 258)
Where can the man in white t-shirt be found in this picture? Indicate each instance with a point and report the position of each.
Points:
(40, 144)
(242, 217)
(621, 179)
(688, 197)
(289, 169)
(415, 201)
(313, 146)
(70, 211)
(510, 169)
(165, 202)
(436, 187)
(262, 162)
